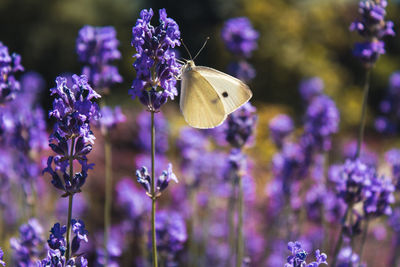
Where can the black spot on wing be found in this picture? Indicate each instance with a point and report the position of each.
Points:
(225, 94)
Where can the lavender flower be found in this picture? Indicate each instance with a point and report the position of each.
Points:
(241, 125)
(10, 65)
(321, 121)
(57, 246)
(110, 117)
(144, 178)
(74, 109)
(311, 87)
(393, 158)
(299, 256)
(280, 126)
(379, 197)
(27, 247)
(97, 47)
(144, 127)
(373, 27)
(171, 233)
(239, 36)
(367, 156)
(388, 121)
(352, 180)
(115, 247)
(154, 52)
(242, 70)
(348, 258)
(1, 257)
(129, 198)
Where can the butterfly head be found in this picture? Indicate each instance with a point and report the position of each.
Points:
(189, 65)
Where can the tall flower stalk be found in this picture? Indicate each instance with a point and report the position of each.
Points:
(156, 69)
(373, 28)
(240, 39)
(97, 48)
(72, 139)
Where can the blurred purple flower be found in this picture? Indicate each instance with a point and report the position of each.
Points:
(393, 159)
(32, 85)
(352, 179)
(145, 160)
(321, 121)
(80, 207)
(1, 257)
(311, 87)
(240, 126)
(143, 121)
(239, 36)
(171, 233)
(9, 66)
(280, 126)
(154, 51)
(28, 246)
(115, 247)
(242, 70)
(299, 256)
(348, 258)
(379, 197)
(131, 200)
(388, 121)
(314, 202)
(97, 47)
(367, 156)
(373, 27)
(110, 117)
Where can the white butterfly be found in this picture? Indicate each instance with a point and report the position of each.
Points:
(209, 95)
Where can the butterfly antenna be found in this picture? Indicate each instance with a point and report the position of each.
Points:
(201, 49)
(187, 50)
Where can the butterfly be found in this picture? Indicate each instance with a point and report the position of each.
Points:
(208, 96)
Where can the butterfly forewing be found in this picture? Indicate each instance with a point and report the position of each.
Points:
(232, 92)
(200, 104)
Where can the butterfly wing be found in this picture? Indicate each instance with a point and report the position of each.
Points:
(232, 91)
(200, 104)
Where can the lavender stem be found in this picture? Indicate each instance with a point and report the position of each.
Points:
(239, 240)
(71, 173)
(108, 192)
(153, 196)
(363, 112)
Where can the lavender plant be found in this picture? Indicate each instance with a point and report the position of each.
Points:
(97, 47)
(71, 140)
(373, 28)
(299, 256)
(156, 68)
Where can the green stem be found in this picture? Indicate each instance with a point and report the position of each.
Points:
(108, 192)
(153, 194)
(363, 113)
(231, 222)
(71, 174)
(340, 240)
(239, 240)
(364, 238)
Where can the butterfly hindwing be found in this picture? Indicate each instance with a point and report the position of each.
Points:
(232, 91)
(200, 104)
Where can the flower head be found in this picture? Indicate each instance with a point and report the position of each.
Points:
(321, 121)
(352, 180)
(144, 178)
(373, 27)
(154, 52)
(97, 47)
(299, 256)
(10, 65)
(311, 87)
(239, 36)
(241, 125)
(379, 197)
(280, 126)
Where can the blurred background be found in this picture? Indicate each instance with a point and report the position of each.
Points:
(298, 39)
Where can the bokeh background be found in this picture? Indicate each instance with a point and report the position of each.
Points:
(298, 39)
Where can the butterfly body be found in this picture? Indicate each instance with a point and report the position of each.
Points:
(208, 95)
